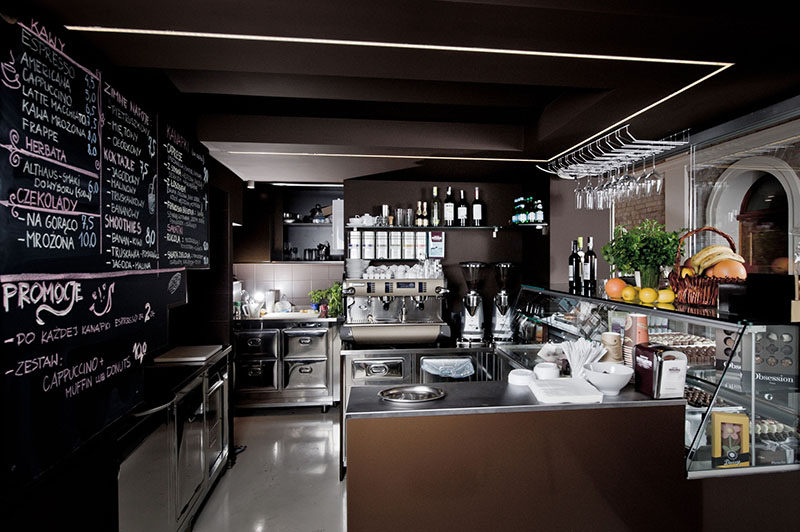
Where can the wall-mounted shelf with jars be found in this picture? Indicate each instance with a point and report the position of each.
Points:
(444, 228)
(493, 228)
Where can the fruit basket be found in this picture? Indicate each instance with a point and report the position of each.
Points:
(689, 281)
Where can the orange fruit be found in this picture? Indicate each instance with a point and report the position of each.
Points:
(728, 269)
(615, 286)
(780, 265)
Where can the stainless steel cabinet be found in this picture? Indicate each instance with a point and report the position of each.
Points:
(305, 374)
(257, 374)
(305, 343)
(378, 371)
(303, 368)
(145, 477)
(189, 426)
(180, 448)
(262, 343)
(216, 420)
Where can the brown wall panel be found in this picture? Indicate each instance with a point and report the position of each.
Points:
(599, 469)
(567, 224)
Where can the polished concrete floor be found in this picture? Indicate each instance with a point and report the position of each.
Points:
(287, 480)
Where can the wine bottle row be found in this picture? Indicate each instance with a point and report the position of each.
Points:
(435, 212)
(582, 268)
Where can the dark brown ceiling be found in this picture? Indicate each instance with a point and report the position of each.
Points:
(299, 97)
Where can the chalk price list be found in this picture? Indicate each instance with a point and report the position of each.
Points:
(59, 313)
(53, 147)
(185, 204)
(129, 177)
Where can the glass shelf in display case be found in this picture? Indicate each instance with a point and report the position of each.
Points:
(742, 380)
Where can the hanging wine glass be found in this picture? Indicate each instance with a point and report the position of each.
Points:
(589, 195)
(578, 195)
(607, 191)
(600, 200)
(659, 182)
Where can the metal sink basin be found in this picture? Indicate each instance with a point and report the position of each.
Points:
(412, 394)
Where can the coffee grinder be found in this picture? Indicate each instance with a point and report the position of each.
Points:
(472, 313)
(502, 317)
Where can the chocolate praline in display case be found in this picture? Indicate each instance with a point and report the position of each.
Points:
(742, 377)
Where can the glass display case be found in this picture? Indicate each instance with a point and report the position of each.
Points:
(742, 377)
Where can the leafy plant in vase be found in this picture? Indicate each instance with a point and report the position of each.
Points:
(330, 298)
(645, 248)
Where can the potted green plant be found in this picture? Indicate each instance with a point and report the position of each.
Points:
(645, 248)
(330, 296)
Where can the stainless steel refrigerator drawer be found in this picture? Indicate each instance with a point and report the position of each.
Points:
(378, 370)
(256, 373)
(305, 374)
(305, 343)
(264, 342)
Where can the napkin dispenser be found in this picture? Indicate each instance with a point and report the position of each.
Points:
(660, 371)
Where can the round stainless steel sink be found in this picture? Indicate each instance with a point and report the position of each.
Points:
(412, 394)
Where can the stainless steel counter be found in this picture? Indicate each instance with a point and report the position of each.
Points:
(483, 398)
(289, 316)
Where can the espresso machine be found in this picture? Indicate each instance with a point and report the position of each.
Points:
(502, 317)
(472, 313)
(394, 311)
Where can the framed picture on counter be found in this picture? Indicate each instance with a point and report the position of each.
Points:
(730, 440)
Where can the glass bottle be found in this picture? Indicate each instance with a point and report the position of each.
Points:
(449, 208)
(436, 209)
(462, 211)
(478, 210)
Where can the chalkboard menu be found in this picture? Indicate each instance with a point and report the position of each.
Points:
(130, 177)
(50, 206)
(90, 180)
(184, 205)
(103, 204)
(73, 348)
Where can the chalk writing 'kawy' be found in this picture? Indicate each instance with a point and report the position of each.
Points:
(45, 294)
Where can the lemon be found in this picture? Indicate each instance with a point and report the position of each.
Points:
(647, 295)
(666, 306)
(629, 293)
(666, 295)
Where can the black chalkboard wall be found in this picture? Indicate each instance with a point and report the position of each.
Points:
(103, 204)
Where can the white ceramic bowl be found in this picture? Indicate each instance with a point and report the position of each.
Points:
(608, 377)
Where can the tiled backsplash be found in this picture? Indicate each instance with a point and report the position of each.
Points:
(293, 280)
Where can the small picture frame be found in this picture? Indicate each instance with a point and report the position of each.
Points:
(730, 440)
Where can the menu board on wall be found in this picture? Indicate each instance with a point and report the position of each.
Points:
(90, 180)
(103, 204)
(184, 202)
(73, 349)
(130, 175)
(49, 152)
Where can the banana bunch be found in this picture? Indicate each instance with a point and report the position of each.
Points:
(710, 256)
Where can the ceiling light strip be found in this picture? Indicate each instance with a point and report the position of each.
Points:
(380, 44)
(640, 111)
(385, 156)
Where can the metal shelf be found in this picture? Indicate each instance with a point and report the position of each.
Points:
(442, 227)
(305, 224)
